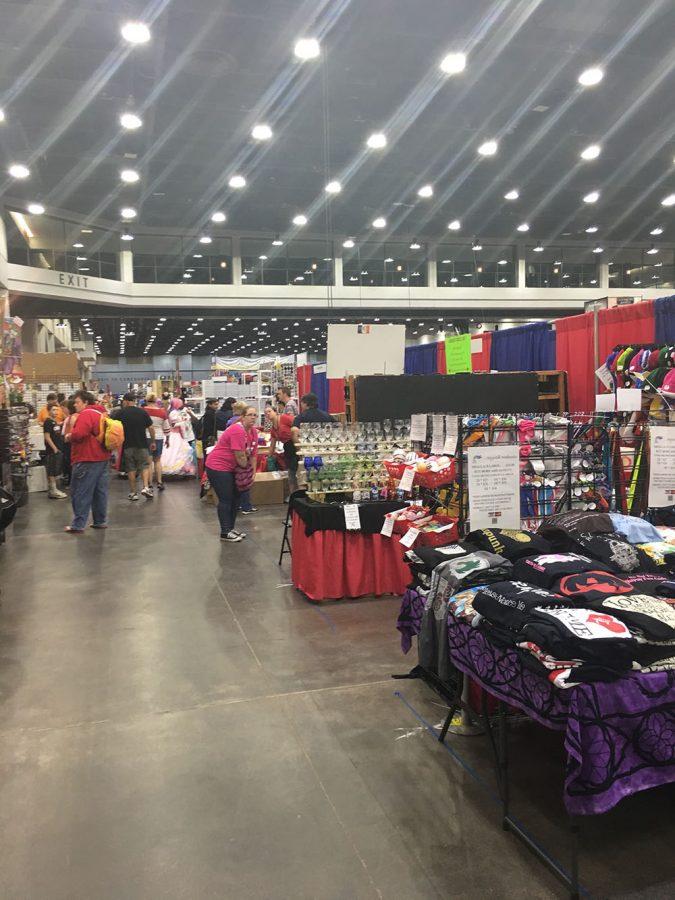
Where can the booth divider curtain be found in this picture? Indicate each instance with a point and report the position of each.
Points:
(336, 395)
(625, 325)
(304, 380)
(575, 355)
(527, 348)
(441, 368)
(480, 359)
(319, 386)
(664, 320)
(421, 360)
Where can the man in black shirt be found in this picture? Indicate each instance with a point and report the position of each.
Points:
(136, 423)
(53, 451)
(309, 412)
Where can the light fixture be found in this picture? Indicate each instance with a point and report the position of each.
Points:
(333, 187)
(454, 280)
(205, 239)
(523, 227)
(488, 148)
(653, 250)
(415, 245)
(218, 217)
(591, 229)
(128, 212)
(300, 220)
(130, 121)
(2, 115)
(503, 280)
(237, 181)
(135, 32)
(595, 195)
(277, 242)
(18, 170)
(455, 225)
(476, 246)
(126, 235)
(657, 230)
(453, 63)
(590, 77)
(502, 262)
(426, 191)
(512, 195)
(261, 132)
(377, 141)
(307, 48)
(129, 176)
(36, 209)
(78, 245)
(598, 249)
(380, 222)
(667, 201)
(592, 152)
(262, 256)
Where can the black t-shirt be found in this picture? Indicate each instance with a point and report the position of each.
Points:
(509, 543)
(544, 570)
(312, 415)
(509, 604)
(135, 422)
(53, 429)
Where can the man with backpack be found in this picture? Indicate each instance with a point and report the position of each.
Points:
(90, 460)
(136, 422)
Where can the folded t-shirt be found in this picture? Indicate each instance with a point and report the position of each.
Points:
(651, 583)
(560, 528)
(611, 549)
(583, 634)
(654, 616)
(584, 587)
(546, 568)
(635, 530)
(657, 556)
(510, 603)
(509, 543)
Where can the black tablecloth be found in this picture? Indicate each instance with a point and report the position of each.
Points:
(330, 516)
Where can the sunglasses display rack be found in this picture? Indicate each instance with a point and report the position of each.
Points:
(15, 450)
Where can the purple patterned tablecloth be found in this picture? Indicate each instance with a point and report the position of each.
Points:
(619, 736)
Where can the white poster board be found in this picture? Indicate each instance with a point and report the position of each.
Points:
(662, 466)
(365, 350)
(494, 487)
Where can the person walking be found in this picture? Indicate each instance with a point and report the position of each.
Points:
(53, 452)
(58, 416)
(160, 421)
(230, 468)
(136, 422)
(90, 462)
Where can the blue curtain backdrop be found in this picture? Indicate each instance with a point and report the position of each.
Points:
(664, 320)
(421, 360)
(320, 388)
(527, 348)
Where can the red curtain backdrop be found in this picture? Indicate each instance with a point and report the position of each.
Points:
(575, 355)
(480, 361)
(336, 395)
(330, 565)
(304, 380)
(441, 367)
(633, 324)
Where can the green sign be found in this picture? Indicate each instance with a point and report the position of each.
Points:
(458, 353)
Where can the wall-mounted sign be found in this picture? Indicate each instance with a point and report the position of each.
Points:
(68, 280)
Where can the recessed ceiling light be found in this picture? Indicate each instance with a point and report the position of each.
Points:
(205, 239)
(453, 63)
(2, 115)
(126, 235)
(300, 220)
(277, 242)
(307, 48)
(489, 148)
(657, 230)
(380, 222)
(18, 170)
(454, 280)
(78, 245)
(455, 225)
(669, 200)
(594, 196)
(130, 121)
(503, 280)
(592, 152)
(262, 256)
(598, 249)
(512, 195)
(653, 249)
(377, 140)
(129, 176)
(218, 217)
(128, 212)
(333, 187)
(523, 227)
(36, 209)
(415, 246)
(591, 76)
(502, 262)
(591, 229)
(476, 246)
(135, 32)
(538, 249)
(348, 244)
(237, 181)
(426, 191)
(261, 132)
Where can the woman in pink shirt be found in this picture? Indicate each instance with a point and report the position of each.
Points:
(230, 468)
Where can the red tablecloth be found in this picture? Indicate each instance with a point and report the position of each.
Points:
(333, 564)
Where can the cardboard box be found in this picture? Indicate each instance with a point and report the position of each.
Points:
(269, 488)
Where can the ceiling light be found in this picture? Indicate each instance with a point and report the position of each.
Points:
(218, 217)
(333, 187)
(277, 242)
(598, 249)
(205, 239)
(78, 245)
(300, 220)
(591, 76)
(502, 262)
(348, 244)
(667, 201)
(455, 225)
(135, 32)
(476, 246)
(263, 257)
(453, 63)
(307, 48)
(594, 196)
(454, 280)
(18, 170)
(426, 191)
(130, 121)
(637, 282)
(591, 229)
(377, 140)
(128, 212)
(261, 132)
(237, 181)
(592, 152)
(653, 249)
(512, 195)
(657, 230)
(36, 209)
(539, 248)
(379, 222)
(197, 255)
(489, 148)
(129, 176)
(503, 280)
(523, 227)
(2, 115)
(415, 246)
(390, 259)
(126, 235)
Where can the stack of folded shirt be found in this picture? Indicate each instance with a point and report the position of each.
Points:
(547, 568)
(510, 544)
(611, 549)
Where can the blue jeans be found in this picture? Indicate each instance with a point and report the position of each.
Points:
(89, 493)
(245, 500)
(224, 485)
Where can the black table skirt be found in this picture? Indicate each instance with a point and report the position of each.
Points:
(330, 516)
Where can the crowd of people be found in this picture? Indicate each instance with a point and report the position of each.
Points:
(164, 437)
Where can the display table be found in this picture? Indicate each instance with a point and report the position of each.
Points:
(328, 562)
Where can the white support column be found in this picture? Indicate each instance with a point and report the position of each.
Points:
(126, 265)
(432, 273)
(236, 260)
(337, 271)
(521, 273)
(603, 275)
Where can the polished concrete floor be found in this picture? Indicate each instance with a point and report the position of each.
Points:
(176, 721)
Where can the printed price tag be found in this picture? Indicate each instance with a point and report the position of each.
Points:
(410, 537)
(352, 518)
(387, 526)
(605, 402)
(418, 427)
(451, 433)
(406, 482)
(605, 376)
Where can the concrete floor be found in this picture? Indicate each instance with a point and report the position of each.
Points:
(176, 721)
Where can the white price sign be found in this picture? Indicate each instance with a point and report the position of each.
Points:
(410, 537)
(387, 526)
(494, 486)
(406, 482)
(451, 432)
(662, 466)
(437, 433)
(418, 427)
(352, 518)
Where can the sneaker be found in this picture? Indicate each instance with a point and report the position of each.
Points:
(161, 486)
(147, 493)
(57, 495)
(133, 496)
(232, 537)
(242, 534)
(247, 512)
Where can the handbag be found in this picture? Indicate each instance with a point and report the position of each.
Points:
(243, 478)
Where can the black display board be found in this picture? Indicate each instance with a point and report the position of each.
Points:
(398, 396)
